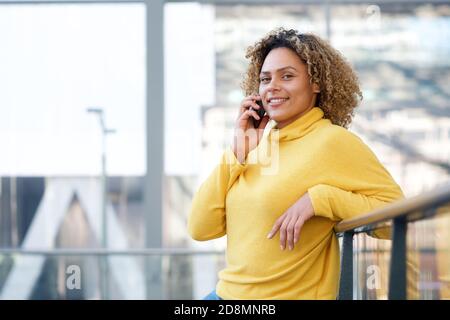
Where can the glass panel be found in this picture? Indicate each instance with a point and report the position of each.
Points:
(58, 60)
(181, 281)
(372, 255)
(402, 56)
(428, 254)
(189, 87)
(427, 264)
(84, 277)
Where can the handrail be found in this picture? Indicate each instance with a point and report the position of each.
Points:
(400, 213)
(102, 251)
(403, 207)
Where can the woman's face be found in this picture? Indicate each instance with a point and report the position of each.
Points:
(284, 86)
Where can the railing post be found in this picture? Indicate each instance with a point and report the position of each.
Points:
(346, 278)
(397, 275)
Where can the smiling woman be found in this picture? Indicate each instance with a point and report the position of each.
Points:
(325, 174)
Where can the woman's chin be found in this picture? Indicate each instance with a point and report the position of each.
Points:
(276, 117)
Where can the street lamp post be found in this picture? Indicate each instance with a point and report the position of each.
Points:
(105, 131)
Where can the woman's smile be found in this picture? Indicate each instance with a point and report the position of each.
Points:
(276, 102)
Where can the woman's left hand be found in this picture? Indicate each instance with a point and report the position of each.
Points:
(291, 222)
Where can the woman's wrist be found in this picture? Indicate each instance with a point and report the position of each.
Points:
(240, 155)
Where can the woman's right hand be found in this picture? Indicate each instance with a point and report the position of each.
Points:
(246, 136)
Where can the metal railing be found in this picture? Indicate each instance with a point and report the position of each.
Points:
(130, 265)
(107, 252)
(400, 213)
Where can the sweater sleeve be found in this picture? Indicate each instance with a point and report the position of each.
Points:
(207, 218)
(337, 204)
(357, 183)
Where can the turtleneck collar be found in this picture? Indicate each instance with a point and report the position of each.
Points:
(300, 126)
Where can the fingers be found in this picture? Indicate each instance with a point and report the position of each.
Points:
(275, 227)
(250, 102)
(297, 228)
(253, 113)
(247, 105)
(284, 233)
(293, 232)
(290, 234)
(289, 228)
(243, 119)
(252, 97)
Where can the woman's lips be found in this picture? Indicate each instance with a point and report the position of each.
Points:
(274, 103)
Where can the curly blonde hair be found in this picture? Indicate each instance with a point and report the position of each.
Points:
(339, 88)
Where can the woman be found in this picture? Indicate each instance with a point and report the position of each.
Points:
(279, 226)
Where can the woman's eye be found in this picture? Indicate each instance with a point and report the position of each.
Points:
(264, 79)
(287, 76)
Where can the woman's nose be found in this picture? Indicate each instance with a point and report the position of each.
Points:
(272, 85)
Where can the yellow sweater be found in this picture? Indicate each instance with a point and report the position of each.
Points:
(343, 178)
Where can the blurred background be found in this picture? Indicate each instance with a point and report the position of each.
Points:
(113, 112)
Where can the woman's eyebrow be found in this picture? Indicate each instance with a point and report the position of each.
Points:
(281, 69)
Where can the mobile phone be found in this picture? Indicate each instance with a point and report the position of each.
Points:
(261, 112)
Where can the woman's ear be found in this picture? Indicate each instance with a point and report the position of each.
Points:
(316, 88)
